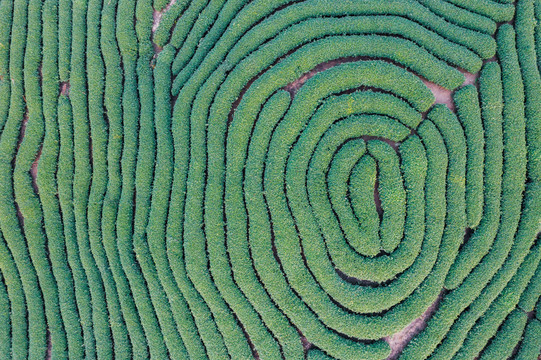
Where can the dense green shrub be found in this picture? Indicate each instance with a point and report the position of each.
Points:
(460, 16)
(469, 113)
(155, 271)
(494, 10)
(507, 337)
(531, 344)
(64, 178)
(361, 229)
(491, 109)
(112, 102)
(15, 342)
(269, 179)
(81, 182)
(47, 183)
(98, 185)
(9, 222)
(6, 7)
(481, 44)
(391, 193)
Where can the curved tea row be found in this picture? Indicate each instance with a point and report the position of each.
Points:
(269, 179)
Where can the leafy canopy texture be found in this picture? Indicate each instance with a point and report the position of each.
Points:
(270, 179)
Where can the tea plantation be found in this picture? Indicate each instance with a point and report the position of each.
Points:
(270, 179)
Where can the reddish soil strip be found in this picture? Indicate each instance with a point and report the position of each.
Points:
(158, 15)
(294, 86)
(444, 96)
(34, 171)
(65, 88)
(19, 141)
(305, 343)
(399, 340)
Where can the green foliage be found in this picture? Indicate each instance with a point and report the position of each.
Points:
(507, 337)
(499, 12)
(363, 180)
(155, 232)
(47, 183)
(531, 344)
(98, 152)
(391, 193)
(469, 113)
(9, 222)
(64, 178)
(81, 183)
(269, 179)
(460, 16)
(491, 109)
(16, 341)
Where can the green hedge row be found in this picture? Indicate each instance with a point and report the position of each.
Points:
(211, 337)
(113, 106)
(527, 227)
(64, 178)
(167, 22)
(455, 143)
(9, 222)
(158, 322)
(207, 40)
(132, 241)
(287, 240)
(212, 132)
(189, 18)
(47, 183)
(504, 252)
(193, 202)
(391, 194)
(423, 345)
(153, 268)
(423, 63)
(217, 277)
(81, 183)
(529, 348)
(192, 42)
(345, 258)
(460, 16)
(469, 113)
(6, 7)
(64, 38)
(366, 299)
(499, 12)
(500, 308)
(15, 342)
(507, 338)
(98, 185)
(270, 26)
(5, 326)
(361, 101)
(360, 224)
(27, 200)
(266, 279)
(526, 49)
(482, 238)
